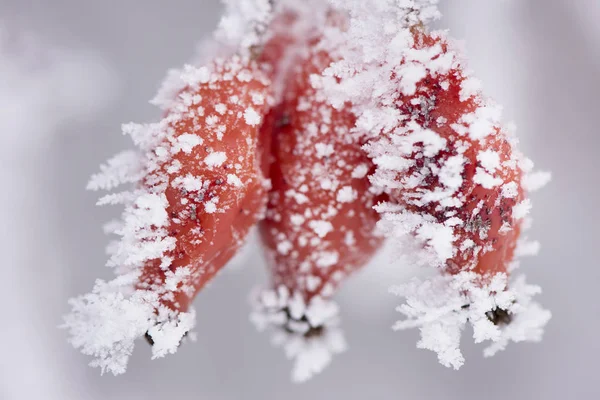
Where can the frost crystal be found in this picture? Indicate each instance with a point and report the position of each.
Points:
(244, 22)
(106, 322)
(442, 306)
(455, 179)
(308, 333)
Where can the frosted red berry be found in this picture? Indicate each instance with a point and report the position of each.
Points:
(216, 190)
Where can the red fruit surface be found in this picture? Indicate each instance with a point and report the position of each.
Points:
(279, 42)
(226, 191)
(486, 238)
(319, 225)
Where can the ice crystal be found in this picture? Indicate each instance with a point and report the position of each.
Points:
(106, 322)
(308, 333)
(385, 63)
(441, 307)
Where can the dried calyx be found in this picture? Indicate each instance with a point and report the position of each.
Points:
(308, 333)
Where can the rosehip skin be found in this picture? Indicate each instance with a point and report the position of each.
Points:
(484, 210)
(206, 241)
(305, 191)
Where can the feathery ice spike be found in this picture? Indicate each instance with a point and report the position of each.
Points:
(199, 185)
(338, 122)
(320, 222)
(456, 182)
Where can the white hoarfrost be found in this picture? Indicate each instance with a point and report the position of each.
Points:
(441, 307)
(385, 69)
(244, 22)
(381, 62)
(308, 333)
(241, 30)
(106, 322)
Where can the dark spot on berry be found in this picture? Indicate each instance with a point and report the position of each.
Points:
(283, 121)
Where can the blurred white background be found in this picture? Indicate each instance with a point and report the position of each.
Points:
(93, 65)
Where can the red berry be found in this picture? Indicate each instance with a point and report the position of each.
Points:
(216, 189)
(455, 183)
(459, 173)
(320, 222)
(200, 186)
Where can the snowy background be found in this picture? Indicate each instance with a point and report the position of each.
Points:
(71, 71)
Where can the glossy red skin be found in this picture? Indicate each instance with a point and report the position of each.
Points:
(496, 209)
(280, 38)
(205, 242)
(295, 160)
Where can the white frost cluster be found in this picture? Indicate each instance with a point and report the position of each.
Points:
(441, 307)
(379, 64)
(244, 22)
(371, 49)
(293, 324)
(240, 31)
(106, 322)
